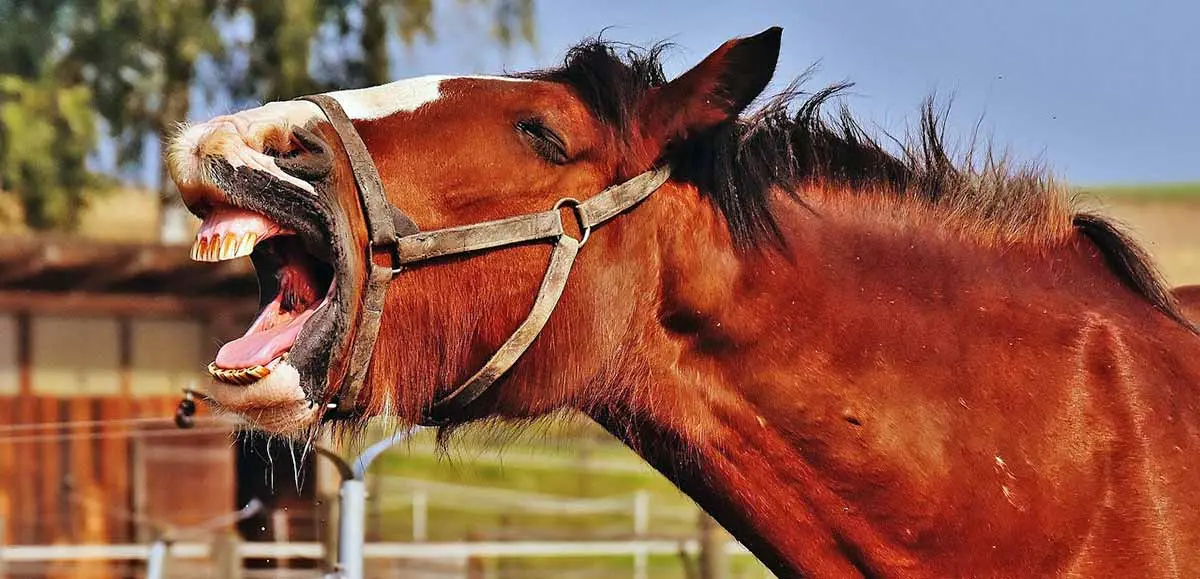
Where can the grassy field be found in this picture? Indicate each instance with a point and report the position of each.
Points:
(559, 461)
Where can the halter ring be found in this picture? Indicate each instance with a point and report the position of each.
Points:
(586, 230)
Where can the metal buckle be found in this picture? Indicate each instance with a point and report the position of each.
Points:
(393, 250)
(574, 204)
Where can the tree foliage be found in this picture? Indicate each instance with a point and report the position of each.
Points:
(46, 133)
(135, 62)
(139, 58)
(305, 46)
(47, 121)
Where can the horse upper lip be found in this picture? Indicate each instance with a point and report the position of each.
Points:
(229, 233)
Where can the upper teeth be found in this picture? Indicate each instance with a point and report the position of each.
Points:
(218, 247)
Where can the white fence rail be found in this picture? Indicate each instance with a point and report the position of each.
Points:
(312, 550)
(405, 492)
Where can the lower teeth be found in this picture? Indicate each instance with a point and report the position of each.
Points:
(240, 376)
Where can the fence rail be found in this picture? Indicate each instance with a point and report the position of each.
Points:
(313, 550)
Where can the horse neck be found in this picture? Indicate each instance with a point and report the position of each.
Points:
(744, 393)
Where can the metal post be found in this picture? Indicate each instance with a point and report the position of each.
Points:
(157, 561)
(352, 528)
(352, 520)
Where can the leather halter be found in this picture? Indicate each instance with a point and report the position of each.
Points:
(390, 230)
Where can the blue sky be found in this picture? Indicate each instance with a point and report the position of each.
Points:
(1101, 91)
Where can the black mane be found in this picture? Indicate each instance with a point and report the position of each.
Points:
(790, 142)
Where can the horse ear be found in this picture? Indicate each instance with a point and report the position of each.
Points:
(713, 92)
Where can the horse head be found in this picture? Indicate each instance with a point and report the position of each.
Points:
(282, 184)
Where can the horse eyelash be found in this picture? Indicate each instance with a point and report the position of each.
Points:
(545, 142)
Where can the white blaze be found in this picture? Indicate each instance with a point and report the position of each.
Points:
(363, 104)
(406, 95)
(251, 126)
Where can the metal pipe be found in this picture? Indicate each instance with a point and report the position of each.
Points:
(156, 562)
(352, 519)
(364, 460)
(352, 530)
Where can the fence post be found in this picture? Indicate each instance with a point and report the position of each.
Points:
(281, 532)
(329, 523)
(226, 555)
(420, 515)
(641, 526)
(714, 562)
(374, 510)
(329, 476)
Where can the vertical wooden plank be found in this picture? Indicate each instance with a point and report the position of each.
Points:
(114, 464)
(138, 496)
(24, 496)
(8, 472)
(51, 455)
(85, 521)
(24, 354)
(119, 440)
(125, 355)
(97, 517)
(24, 453)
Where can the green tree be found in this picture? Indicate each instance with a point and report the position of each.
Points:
(140, 56)
(46, 133)
(135, 62)
(47, 124)
(289, 33)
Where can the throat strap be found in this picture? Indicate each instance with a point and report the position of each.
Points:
(391, 230)
(562, 257)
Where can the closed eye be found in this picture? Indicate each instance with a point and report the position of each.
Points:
(545, 142)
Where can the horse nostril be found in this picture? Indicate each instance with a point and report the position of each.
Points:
(308, 159)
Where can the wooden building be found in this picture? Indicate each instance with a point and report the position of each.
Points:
(98, 339)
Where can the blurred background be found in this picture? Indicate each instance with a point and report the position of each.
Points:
(104, 321)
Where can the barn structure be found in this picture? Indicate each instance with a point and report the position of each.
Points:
(98, 339)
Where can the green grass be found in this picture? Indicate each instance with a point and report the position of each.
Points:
(571, 460)
(1146, 191)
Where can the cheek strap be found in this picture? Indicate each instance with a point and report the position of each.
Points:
(392, 231)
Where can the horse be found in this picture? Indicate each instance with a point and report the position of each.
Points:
(1188, 297)
(862, 360)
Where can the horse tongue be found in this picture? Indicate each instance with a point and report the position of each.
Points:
(259, 348)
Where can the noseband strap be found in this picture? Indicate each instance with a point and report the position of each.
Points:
(390, 230)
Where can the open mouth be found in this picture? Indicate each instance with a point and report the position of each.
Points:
(294, 284)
